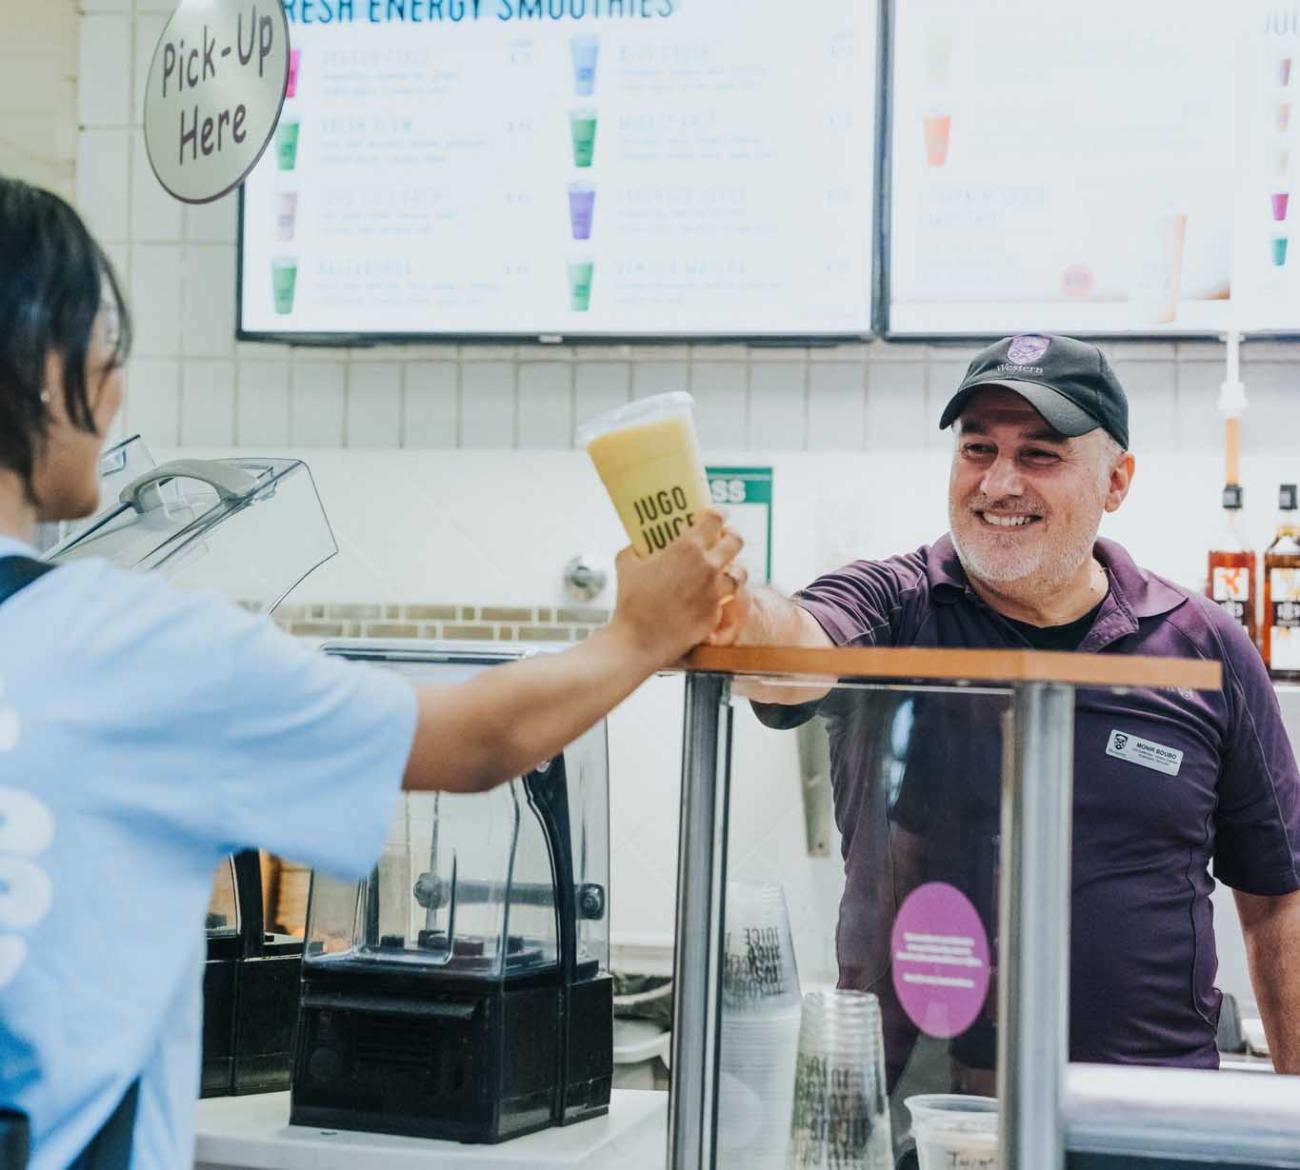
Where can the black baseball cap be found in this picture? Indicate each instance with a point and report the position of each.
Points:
(1069, 382)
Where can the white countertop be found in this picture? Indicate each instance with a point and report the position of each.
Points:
(253, 1133)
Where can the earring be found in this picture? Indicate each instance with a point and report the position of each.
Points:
(45, 397)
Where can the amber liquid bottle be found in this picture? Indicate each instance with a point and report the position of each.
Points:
(1231, 581)
(1281, 641)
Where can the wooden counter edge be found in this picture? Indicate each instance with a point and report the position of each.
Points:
(982, 666)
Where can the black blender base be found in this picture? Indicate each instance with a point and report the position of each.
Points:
(476, 1069)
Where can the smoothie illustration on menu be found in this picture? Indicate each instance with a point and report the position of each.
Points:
(582, 209)
(585, 51)
(1284, 72)
(286, 143)
(295, 57)
(938, 132)
(286, 215)
(648, 458)
(1281, 205)
(1158, 268)
(284, 283)
(581, 273)
(582, 127)
(1283, 116)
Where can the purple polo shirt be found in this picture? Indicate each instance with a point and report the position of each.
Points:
(922, 804)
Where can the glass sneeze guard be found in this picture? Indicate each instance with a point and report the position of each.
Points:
(959, 919)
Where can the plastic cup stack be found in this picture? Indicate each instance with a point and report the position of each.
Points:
(841, 1105)
(759, 1029)
(955, 1132)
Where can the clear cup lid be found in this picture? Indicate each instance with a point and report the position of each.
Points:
(950, 1105)
(643, 410)
(975, 1129)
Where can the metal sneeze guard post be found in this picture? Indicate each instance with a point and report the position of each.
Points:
(1034, 972)
(701, 874)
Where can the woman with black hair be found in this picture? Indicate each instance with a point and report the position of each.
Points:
(145, 734)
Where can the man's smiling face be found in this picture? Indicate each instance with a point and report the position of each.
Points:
(1025, 502)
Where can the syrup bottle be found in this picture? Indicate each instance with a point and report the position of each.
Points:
(1281, 641)
(1231, 581)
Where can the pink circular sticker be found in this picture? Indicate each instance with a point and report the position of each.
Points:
(940, 960)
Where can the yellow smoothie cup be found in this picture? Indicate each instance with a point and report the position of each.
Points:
(647, 455)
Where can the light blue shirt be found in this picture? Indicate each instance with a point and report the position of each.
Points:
(144, 734)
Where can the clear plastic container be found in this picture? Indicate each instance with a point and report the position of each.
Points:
(760, 976)
(960, 1141)
(841, 1106)
(251, 528)
(955, 1132)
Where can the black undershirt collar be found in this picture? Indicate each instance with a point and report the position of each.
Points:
(1066, 637)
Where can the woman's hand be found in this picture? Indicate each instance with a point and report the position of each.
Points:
(674, 600)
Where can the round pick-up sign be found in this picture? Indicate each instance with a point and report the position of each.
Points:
(216, 87)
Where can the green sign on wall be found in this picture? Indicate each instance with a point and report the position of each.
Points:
(746, 495)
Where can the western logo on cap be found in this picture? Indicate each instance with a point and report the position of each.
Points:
(1025, 351)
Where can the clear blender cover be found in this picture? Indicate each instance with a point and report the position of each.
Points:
(118, 466)
(251, 528)
(472, 884)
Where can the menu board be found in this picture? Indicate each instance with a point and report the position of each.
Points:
(1062, 175)
(567, 168)
(1126, 171)
(1267, 268)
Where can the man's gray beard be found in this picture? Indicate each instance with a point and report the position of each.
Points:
(1029, 576)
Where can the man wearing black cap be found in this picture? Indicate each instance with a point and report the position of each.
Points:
(1167, 783)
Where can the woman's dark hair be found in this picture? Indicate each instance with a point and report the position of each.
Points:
(54, 278)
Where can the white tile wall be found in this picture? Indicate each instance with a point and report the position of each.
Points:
(155, 216)
(546, 404)
(208, 403)
(896, 405)
(432, 404)
(155, 286)
(208, 301)
(262, 410)
(721, 392)
(153, 399)
(599, 386)
(213, 223)
(148, 30)
(316, 403)
(487, 404)
(654, 375)
(778, 412)
(1153, 411)
(103, 182)
(837, 405)
(104, 74)
(374, 404)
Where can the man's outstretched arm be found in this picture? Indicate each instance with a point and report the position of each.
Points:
(764, 617)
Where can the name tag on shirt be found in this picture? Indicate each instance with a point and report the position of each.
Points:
(1124, 746)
